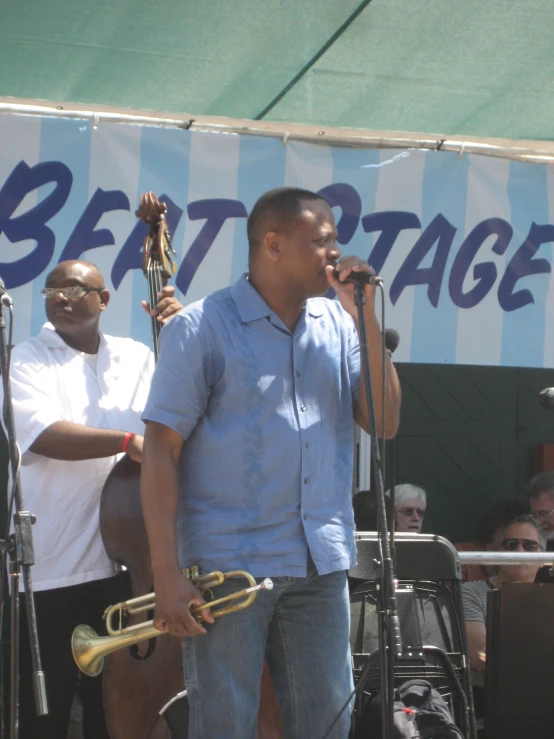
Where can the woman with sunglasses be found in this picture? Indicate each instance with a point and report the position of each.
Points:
(523, 534)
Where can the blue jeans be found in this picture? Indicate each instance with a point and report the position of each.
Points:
(301, 628)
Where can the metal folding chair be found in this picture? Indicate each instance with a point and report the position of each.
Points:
(429, 601)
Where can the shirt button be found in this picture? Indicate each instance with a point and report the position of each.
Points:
(306, 480)
(297, 373)
(305, 516)
(303, 408)
(308, 445)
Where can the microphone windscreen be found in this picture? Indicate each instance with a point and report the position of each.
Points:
(546, 398)
(392, 339)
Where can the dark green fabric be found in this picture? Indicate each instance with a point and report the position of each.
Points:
(470, 437)
(464, 67)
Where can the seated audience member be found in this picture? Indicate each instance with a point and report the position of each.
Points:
(365, 510)
(541, 502)
(490, 527)
(410, 503)
(523, 534)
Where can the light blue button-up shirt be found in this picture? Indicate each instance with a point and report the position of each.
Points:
(266, 468)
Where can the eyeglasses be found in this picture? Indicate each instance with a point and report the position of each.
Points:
(542, 515)
(529, 545)
(410, 511)
(75, 292)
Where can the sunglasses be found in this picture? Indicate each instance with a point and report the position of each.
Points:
(410, 511)
(529, 545)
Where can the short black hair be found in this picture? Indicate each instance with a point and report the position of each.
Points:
(541, 483)
(364, 504)
(500, 514)
(275, 209)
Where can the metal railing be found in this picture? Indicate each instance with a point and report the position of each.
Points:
(506, 558)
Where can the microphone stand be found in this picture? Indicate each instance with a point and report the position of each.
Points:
(388, 623)
(19, 546)
(392, 488)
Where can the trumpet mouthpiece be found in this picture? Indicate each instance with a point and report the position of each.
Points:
(267, 584)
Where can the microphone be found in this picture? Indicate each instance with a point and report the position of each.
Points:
(5, 298)
(546, 398)
(392, 339)
(360, 278)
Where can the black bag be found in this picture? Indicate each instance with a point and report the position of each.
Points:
(420, 712)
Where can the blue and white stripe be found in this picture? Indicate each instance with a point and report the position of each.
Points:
(194, 165)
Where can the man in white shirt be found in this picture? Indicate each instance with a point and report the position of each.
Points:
(77, 396)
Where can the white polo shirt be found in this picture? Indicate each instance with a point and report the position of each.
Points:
(52, 382)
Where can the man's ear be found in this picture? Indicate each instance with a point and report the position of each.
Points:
(104, 299)
(272, 245)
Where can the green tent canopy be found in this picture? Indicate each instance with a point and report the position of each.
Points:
(454, 67)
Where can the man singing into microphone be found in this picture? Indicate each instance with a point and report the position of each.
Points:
(247, 464)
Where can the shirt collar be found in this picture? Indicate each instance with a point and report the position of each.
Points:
(53, 340)
(252, 306)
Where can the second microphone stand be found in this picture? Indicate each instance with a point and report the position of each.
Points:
(19, 546)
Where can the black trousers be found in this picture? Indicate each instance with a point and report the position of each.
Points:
(59, 611)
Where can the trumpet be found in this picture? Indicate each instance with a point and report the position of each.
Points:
(89, 649)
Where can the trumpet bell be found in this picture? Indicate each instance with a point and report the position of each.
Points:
(89, 649)
(84, 645)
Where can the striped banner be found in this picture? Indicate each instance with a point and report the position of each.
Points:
(464, 244)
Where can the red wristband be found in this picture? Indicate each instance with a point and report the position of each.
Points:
(126, 441)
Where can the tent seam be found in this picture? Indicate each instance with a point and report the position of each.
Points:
(327, 45)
